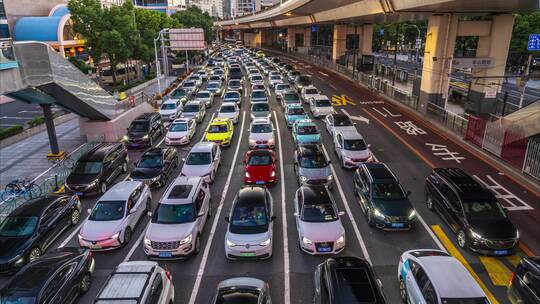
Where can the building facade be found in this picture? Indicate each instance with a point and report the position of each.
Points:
(166, 6)
(213, 7)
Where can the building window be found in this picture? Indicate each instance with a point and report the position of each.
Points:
(299, 40)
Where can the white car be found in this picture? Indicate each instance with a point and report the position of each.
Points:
(178, 221)
(433, 276)
(258, 96)
(195, 78)
(250, 225)
(338, 122)
(170, 109)
(280, 89)
(194, 109)
(318, 222)
(275, 79)
(232, 96)
(320, 106)
(206, 97)
(256, 79)
(203, 74)
(351, 149)
(261, 134)
(113, 219)
(308, 92)
(181, 131)
(203, 160)
(229, 110)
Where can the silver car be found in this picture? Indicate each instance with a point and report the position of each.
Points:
(250, 225)
(181, 131)
(191, 87)
(351, 149)
(256, 79)
(229, 110)
(337, 122)
(203, 160)
(318, 222)
(206, 97)
(242, 289)
(194, 109)
(280, 89)
(260, 110)
(258, 96)
(308, 92)
(312, 167)
(261, 134)
(178, 221)
(320, 106)
(275, 79)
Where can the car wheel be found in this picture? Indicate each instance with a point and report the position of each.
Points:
(35, 253)
(429, 202)
(103, 188)
(75, 217)
(86, 282)
(127, 236)
(197, 245)
(124, 167)
(402, 291)
(462, 239)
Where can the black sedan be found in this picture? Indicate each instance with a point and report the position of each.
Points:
(57, 277)
(155, 166)
(32, 227)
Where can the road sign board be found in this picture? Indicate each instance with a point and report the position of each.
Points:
(475, 62)
(381, 32)
(534, 42)
(490, 93)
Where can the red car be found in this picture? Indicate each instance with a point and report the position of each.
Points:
(260, 167)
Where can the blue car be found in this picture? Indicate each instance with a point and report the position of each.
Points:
(294, 112)
(305, 132)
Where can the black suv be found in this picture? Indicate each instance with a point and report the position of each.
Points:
(144, 130)
(471, 211)
(155, 166)
(382, 199)
(235, 73)
(97, 169)
(525, 284)
(302, 81)
(347, 280)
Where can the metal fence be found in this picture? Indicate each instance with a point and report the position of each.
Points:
(531, 164)
(452, 121)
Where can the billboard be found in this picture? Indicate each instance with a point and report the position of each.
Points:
(191, 39)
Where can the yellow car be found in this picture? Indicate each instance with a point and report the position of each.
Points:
(220, 131)
(260, 54)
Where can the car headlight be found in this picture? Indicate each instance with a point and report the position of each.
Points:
(340, 240)
(231, 244)
(125, 138)
(378, 213)
(147, 241)
(412, 215)
(19, 261)
(252, 142)
(476, 236)
(307, 241)
(517, 234)
(330, 177)
(155, 179)
(248, 175)
(273, 174)
(271, 141)
(93, 183)
(266, 242)
(116, 235)
(146, 136)
(303, 179)
(186, 240)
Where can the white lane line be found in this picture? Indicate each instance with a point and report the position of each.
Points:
(211, 118)
(134, 247)
(430, 232)
(348, 209)
(333, 87)
(287, 289)
(217, 216)
(324, 74)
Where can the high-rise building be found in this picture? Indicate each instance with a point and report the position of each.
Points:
(213, 7)
(244, 7)
(108, 3)
(166, 6)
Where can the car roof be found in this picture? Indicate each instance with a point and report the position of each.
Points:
(316, 194)
(182, 120)
(294, 105)
(35, 207)
(465, 184)
(228, 103)
(203, 146)
(290, 91)
(220, 120)
(450, 277)
(192, 181)
(251, 195)
(171, 100)
(380, 172)
(191, 102)
(260, 152)
(306, 122)
(350, 134)
(204, 91)
(320, 97)
(120, 191)
(261, 120)
(98, 152)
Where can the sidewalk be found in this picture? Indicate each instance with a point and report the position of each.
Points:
(27, 158)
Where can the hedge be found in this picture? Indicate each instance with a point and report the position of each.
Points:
(36, 121)
(10, 131)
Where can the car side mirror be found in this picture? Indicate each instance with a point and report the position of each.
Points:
(89, 210)
(296, 214)
(227, 219)
(341, 213)
(273, 218)
(149, 213)
(409, 193)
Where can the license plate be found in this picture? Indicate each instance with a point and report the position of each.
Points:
(324, 249)
(259, 182)
(95, 247)
(134, 145)
(398, 225)
(247, 254)
(261, 146)
(501, 252)
(78, 193)
(165, 254)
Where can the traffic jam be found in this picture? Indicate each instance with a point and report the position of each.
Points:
(252, 184)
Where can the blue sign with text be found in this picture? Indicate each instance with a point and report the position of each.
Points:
(314, 28)
(381, 32)
(534, 42)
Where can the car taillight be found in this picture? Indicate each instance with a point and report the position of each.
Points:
(168, 275)
(511, 279)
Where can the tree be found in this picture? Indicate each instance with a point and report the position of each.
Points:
(524, 25)
(195, 17)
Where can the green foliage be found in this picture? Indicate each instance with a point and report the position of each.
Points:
(36, 121)
(407, 33)
(10, 131)
(149, 23)
(524, 25)
(195, 17)
(80, 64)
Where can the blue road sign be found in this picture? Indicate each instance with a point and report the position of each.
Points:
(314, 28)
(381, 32)
(534, 42)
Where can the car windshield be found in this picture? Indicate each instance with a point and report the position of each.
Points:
(202, 95)
(13, 226)
(258, 94)
(179, 93)
(295, 111)
(215, 78)
(483, 210)
(19, 299)
(256, 77)
(319, 213)
(306, 130)
(342, 122)
(312, 91)
(108, 211)
(189, 84)
(260, 107)
(168, 106)
(464, 301)
(87, 167)
(218, 72)
(178, 127)
(259, 160)
(304, 80)
(237, 296)
(313, 161)
(199, 158)
(191, 108)
(388, 191)
(213, 85)
(275, 78)
(139, 126)
(261, 128)
(174, 214)
(291, 97)
(150, 161)
(234, 83)
(323, 103)
(249, 218)
(221, 128)
(232, 95)
(354, 144)
(227, 109)
(281, 87)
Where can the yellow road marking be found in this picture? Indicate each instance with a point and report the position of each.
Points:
(59, 191)
(498, 273)
(514, 259)
(342, 100)
(452, 250)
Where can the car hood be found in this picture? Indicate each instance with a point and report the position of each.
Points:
(137, 134)
(296, 117)
(260, 172)
(494, 229)
(344, 129)
(321, 232)
(217, 136)
(196, 170)
(99, 230)
(401, 207)
(308, 138)
(176, 135)
(242, 239)
(167, 112)
(260, 136)
(324, 109)
(315, 173)
(260, 113)
(12, 246)
(169, 232)
(145, 173)
(227, 115)
(81, 179)
(363, 154)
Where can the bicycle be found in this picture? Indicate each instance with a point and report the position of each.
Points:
(21, 187)
(65, 161)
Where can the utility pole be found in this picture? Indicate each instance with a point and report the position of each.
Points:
(526, 79)
(395, 55)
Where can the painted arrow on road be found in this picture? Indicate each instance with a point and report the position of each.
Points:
(342, 100)
(359, 118)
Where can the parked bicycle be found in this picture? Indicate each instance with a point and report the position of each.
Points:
(21, 187)
(65, 161)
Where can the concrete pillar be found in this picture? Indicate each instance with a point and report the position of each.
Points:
(51, 131)
(366, 43)
(264, 37)
(307, 37)
(339, 41)
(438, 53)
(494, 46)
(291, 42)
